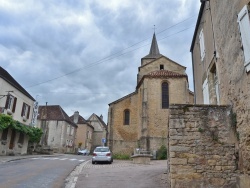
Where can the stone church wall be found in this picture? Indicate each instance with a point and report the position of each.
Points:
(124, 137)
(201, 151)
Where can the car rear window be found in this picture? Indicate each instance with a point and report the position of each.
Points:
(101, 149)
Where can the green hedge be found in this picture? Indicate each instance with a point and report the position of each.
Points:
(34, 133)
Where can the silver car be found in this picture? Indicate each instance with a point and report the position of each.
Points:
(102, 154)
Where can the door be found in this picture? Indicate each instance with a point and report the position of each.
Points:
(12, 140)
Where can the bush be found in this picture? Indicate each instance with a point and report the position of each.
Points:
(162, 153)
(121, 156)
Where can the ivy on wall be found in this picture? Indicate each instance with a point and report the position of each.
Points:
(34, 133)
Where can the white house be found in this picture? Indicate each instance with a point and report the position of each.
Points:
(18, 103)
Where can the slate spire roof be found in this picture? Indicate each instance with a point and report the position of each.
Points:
(154, 49)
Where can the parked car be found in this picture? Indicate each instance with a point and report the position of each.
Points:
(102, 154)
(83, 152)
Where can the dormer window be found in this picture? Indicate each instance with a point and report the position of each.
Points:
(161, 67)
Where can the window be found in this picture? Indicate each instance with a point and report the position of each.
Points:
(205, 92)
(126, 117)
(244, 25)
(25, 111)
(72, 131)
(165, 95)
(202, 45)
(10, 103)
(161, 67)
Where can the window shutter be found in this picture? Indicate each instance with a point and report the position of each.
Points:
(22, 110)
(202, 44)
(14, 105)
(205, 92)
(28, 114)
(7, 102)
(244, 24)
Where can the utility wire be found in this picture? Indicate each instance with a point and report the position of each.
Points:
(113, 56)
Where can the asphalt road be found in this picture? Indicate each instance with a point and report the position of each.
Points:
(123, 174)
(38, 172)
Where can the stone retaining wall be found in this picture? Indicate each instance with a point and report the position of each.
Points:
(201, 151)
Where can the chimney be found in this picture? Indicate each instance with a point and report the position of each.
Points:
(76, 116)
(101, 116)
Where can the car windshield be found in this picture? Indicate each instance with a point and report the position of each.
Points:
(101, 149)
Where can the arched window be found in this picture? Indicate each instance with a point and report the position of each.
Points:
(126, 117)
(165, 95)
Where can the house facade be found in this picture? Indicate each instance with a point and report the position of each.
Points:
(100, 130)
(84, 134)
(221, 67)
(140, 119)
(18, 103)
(59, 132)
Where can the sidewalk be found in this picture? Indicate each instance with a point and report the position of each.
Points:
(4, 158)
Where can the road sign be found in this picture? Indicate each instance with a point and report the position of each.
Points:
(103, 140)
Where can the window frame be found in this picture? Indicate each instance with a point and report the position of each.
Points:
(25, 110)
(10, 103)
(165, 95)
(126, 117)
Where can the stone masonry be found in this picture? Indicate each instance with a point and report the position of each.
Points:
(201, 148)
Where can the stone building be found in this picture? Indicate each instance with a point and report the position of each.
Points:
(100, 130)
(84, 133)
(140, 119)
(18, 103)
(59, 131)
(221, 65)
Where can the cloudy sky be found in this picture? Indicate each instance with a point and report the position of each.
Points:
(84, 54)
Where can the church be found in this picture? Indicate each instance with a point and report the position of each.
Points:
(140, 119)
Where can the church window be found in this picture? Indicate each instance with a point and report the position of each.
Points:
(165, 95)
(126, 117)
(161, 67)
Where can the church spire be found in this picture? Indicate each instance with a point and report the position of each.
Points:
(154, 50)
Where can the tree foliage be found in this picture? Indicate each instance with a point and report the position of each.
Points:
(34, 133)
(162, 153)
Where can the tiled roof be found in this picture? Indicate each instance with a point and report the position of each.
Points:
(53, 112)
(8, 78)
(161, 74)
(165, 73)
(81, 120)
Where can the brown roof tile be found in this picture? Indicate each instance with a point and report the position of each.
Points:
(53, 112)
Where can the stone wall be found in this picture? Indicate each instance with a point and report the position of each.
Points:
(201, 153)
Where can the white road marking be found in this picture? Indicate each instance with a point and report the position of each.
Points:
(73, 159)
(63, 159)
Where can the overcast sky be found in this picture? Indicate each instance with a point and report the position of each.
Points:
(85, 54)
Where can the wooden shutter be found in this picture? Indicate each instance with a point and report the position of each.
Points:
(28, 113)
(22, 110)
(14, 105)
(205, 92)
(202, 44)
(244, 24)
(7, 102)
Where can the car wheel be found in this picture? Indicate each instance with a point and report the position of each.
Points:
(93, 162)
